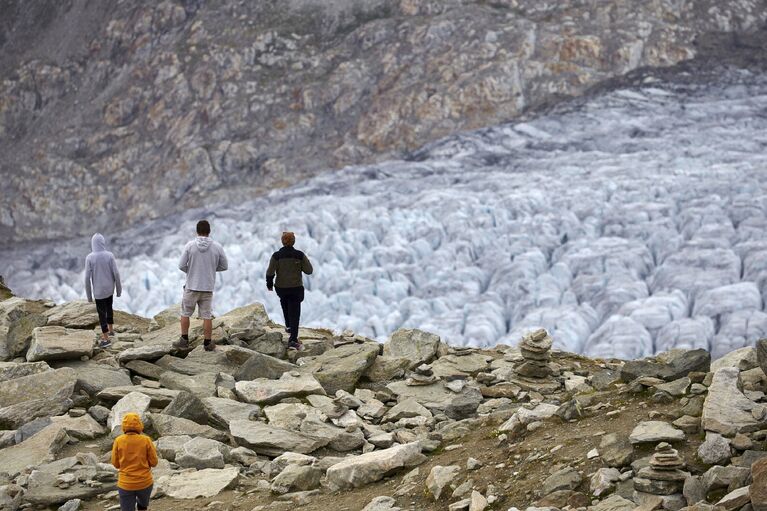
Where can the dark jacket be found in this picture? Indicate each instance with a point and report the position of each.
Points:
(288, 264)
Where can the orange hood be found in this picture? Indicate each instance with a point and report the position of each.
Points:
(132, 423)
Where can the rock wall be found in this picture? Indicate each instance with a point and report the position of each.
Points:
(114, 114)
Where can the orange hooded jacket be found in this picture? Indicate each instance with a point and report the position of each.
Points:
(133, 454)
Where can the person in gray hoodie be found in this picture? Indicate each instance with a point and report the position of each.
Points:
(201, 259)
(101, 281)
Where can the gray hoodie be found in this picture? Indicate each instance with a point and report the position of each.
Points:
(101, 271)
(201, 259)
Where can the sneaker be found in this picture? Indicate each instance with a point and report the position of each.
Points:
(181, 344)
(209, 346)
(111, 334)
(295, 345)
(104, 343)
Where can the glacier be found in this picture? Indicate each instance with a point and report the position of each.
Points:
(627, 222)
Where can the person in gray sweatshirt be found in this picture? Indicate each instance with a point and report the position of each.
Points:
(201, 259)
(101, 281)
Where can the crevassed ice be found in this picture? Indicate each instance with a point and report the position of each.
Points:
(626, 224)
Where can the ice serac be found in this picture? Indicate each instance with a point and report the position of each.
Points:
(726, 410)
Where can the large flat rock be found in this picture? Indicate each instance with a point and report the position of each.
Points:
(655, 431)
(341, 368)
(221, 412)
(59, 343)
(167, 425)
(146, 352)
(16, 415)
(37, 386)
(357, 471)
(201, 385)
(160, 397)
(38, 449)
(726, 409)
(199, 484)
(416, 345)
(271, 441)
(13, 370)
(264, 391)
(263, 366)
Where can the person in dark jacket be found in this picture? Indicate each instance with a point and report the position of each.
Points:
(289, 265)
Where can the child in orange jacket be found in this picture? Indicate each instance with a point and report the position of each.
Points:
(133, 454)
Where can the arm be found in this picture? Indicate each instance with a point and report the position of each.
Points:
(183, 264)
(270, 273)
(306, 265)
(115, 456)
(88, 291)
(223, 263)
(151, 453)
(116, 276)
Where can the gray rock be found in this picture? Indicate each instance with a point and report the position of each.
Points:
(614, 503)
(167, 425)
(160, 398)
(188, 406)
(736, 499)
(297, 478)
(93, 377)
(38, 386)
(715, 450)
(693, 490)
(263, 366)
(13, 370)
(761, 354)
(669, 366)
(204, 483)
(464, 404)
(386, 368)
(59, 343)
(726, 410)
(675, 388)
(718, 477)
(201, 453)
(357, 471)
(603, 481)
(82, 428)
(415, 345)
(565, 479)
(271, 441)
(655, 431)
(453, 366)
(341, 368)
(405, 409)
(338, 439)
(382, 503)
(201, 385)
(99, 413)
(36, 450)
(291, 415)
(147, 352)
(71, 505)
(168, 447)
(146, 369)
(31, 428)
(441, 477)
(16, 415)
(18, 318)
(291, 458)
(616, 450)
(133, 402)
(264, 391)
(434, 396)
(743, 359)
(222, 412)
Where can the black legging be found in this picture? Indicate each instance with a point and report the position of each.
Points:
(106, 315)
(290, 299)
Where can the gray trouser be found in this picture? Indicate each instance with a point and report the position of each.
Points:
(130, 498)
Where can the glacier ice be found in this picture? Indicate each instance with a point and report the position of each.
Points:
(626, 223)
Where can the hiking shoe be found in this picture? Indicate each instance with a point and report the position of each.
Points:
(209, 346)
(181, 344)
(295, 345)
(104, 344)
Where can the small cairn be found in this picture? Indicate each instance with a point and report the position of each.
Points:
(535, 348)
(664, 476)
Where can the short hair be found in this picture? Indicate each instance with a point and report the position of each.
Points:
(203, 228)
(288, 239)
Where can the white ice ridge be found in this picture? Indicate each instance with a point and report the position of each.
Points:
(626, 224)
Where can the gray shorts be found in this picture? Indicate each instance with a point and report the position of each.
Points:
(202, 299)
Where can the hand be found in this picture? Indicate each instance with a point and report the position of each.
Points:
(118, 295)
(269, 288)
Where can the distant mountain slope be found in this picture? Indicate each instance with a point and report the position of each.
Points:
(114, 113)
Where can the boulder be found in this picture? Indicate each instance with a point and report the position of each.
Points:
(297, 478)
(291, 415)
(341, 368)
(406, 409)
(147, 352)
(440, 477)
(565, 479)
(93, 377)
(201, 453)
(614, 503)
(670, 365)
(38, 449)
(167, 425)
(59, 343)
(291, 458)
(81, 314)
(382, 503)
(221, 412)
(357, 471)
(168, 447)
(478, 501)
(263, 366)
(759, 485)
(718, 477)
(435, 396)
(456, 366)
(16, 415)
(245, 323)
(524, 416)
(264, 391)
(13, 370)
(336, 438)
(201, 384)
(743, 359)
(272, 441)
(187, 406)
(603, 481)
(655, 431)
(145, 369)
(38, 386)
(81, 428)
(736, 499)
(202, 483)
(715, 450)
(386, 368)
(225, 359)
(135, 402)
(160, 397)
(726, 410)
(18, 319)
(616, 450)
(417, 346)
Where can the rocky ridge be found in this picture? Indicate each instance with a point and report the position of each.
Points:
(273, 428)
(218, 102)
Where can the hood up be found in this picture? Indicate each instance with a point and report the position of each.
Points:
(98, 244)
(203, 243)
(132, 423)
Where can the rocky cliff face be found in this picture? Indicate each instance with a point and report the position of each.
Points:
(112, 114)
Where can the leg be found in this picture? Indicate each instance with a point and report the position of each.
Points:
(142, 496)
(284, 305)
(184, 325)
(207, 328)
(127, 500)
(296, 313)
(101, 309)
(205, 304)
(110, 316)
(187, 309)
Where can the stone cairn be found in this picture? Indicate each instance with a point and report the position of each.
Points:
(535, 348)
(664, 476)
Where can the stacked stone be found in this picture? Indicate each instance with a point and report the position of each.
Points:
(664, 476)
(535, 348)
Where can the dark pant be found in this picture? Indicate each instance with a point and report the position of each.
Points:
(130, 498)
(290, 299)
(106, 315)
